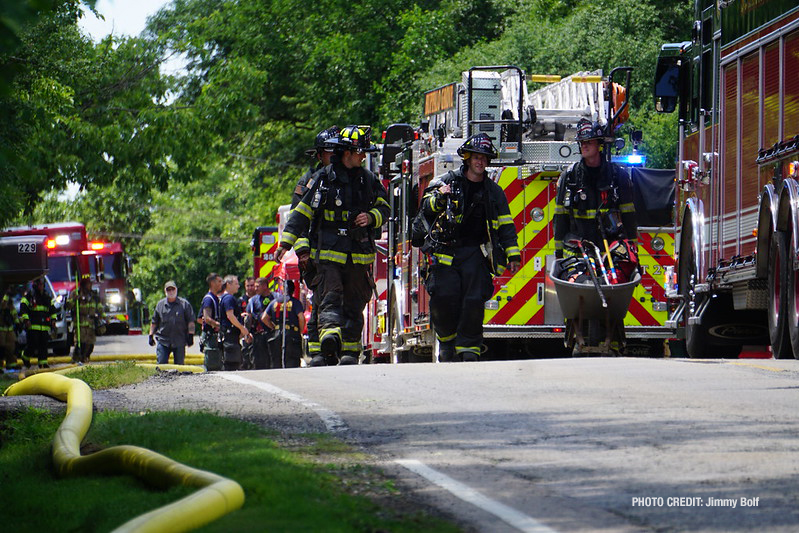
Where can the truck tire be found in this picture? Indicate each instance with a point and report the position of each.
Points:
(791, 304)
(695, 337)
(779, 333)
(698, 344)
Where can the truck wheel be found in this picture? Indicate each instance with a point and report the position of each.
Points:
(791, 304)
(697, 338)
(695, 335)
(779, 333)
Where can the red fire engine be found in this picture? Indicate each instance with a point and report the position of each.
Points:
(67, 252)
(534, 132)
(67, 257)
(113, 267)
(736, 91)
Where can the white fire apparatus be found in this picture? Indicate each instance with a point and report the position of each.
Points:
(736, 90)
(534, 132)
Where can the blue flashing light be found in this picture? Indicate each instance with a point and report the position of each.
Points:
(630, 159)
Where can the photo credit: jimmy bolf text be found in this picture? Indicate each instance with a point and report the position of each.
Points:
(693, 501)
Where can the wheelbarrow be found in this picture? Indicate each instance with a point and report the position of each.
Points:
(582, 302)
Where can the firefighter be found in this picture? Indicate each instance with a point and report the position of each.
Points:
(594, 197)
(38, 314)
(255, 310)
(9, 324)
(233, 331)
(87, 312)
(343, 205)
(473, 237)
(286, 316)
(322, 152)
(594, 203)
(209, 313)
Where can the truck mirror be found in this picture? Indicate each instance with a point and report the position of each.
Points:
(636, 136)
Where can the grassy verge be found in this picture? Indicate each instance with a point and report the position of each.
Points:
(307, 483)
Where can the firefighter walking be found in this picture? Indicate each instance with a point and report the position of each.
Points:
(472, 236)
(594, 209)
(38, 315)
(343, 205)
(323, 150)
(87, 312)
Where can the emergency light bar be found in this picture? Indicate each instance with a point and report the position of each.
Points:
(630, 159)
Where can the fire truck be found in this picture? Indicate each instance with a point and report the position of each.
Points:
(736, 93)
(534, 132)
(68, 257)
(264, 244)
(112, 268)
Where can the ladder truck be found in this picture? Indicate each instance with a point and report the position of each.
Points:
(534, 132)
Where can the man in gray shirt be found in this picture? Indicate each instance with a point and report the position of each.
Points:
(172, 326)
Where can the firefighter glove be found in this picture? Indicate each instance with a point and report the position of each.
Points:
(151, 340)
(189, 339)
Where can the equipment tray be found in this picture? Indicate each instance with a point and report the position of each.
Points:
(578, 300)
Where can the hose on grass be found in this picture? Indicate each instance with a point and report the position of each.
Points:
(217, 496)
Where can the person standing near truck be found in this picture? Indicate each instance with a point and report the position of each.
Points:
(233, 331)
(172, 326)
(38, 315)
(9, 323)
(209, 313)
(87, 311)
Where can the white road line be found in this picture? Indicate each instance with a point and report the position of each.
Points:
(332, 421)
(509, 515)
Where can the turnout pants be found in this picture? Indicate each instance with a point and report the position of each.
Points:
(232, 349)
(212, 355)
(260, 350)
(343, 292)
(293, 349)
(8, 341)
(38, 340)
(84, 349)
(458, 293)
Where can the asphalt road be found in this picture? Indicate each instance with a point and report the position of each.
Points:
(132, 344)
(583, 444)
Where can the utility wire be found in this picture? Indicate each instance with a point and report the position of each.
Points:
(139, 236)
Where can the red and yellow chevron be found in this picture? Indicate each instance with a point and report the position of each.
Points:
(520, 296)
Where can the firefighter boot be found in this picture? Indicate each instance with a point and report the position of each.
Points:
(348, 360)
(469, 356)
(331, 343)
(446, 352)
(318, 360)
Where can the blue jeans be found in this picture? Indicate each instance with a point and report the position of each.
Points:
(162, 352)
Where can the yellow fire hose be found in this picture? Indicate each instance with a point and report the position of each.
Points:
(218, 495)
(190, 358)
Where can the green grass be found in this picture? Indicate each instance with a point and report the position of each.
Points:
(286, 489)
(111, 376)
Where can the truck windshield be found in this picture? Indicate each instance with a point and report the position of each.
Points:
(61, 268)
(113, 266)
